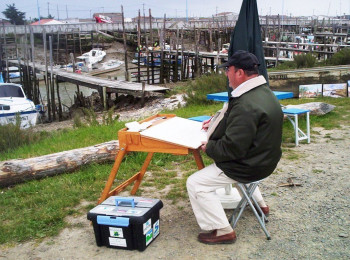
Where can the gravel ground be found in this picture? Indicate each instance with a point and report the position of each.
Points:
(311, 221)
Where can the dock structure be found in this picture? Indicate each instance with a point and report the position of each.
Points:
(112, 86)
(105, 87)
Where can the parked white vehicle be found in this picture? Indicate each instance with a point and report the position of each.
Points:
(14, 102)
(92, 57)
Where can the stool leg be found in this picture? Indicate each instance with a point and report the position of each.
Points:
(261, 220)
(296, 127)
(238, 211)
(243, 202)
(308, 126)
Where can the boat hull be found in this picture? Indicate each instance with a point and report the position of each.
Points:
(28, 118)
(14, 105)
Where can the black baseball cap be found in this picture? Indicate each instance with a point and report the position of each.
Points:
(243, 60)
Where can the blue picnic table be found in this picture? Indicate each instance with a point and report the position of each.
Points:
(223, 96)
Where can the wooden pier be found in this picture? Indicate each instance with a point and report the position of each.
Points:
(103, 86)
(112, 86)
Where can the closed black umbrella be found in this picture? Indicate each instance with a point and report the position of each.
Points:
(247, 34)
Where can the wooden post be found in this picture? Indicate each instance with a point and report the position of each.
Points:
(161, 43)
(217, 56)
(81, 51)
(52, 82)
(66, 38)
(104, 91)
(139, 47)
(92, 39)
(28, 84)
(1, 47)
(176, 71)
(150, 28)
(152, 71)
(58, 47)
(183, 60)
(35, 95)
(198, 61)
(125, 48)
(6, 55)
(143, 94)
(210, 38)
(148, 61)
(20, 67)
(60, 116)
(46, 77)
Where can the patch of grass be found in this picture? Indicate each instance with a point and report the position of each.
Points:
(290, 154)
(331, 120)
(197, 90)
(12, 136)
(38, 208)
(65, 140)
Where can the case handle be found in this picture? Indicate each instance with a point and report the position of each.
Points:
(127, 200)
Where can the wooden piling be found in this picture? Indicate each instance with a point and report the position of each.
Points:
(143, 94)
(183, 60)
(52, 82)
(150, 28)
(60, 115)
(125, 48)
(139, 47)
(46, 77)
(35, 94)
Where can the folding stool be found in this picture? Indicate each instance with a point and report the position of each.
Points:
(247, 190)
(292, 115)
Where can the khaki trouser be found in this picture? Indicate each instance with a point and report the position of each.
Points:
(206, 205)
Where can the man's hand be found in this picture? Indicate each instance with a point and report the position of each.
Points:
(204, 146)
(205, 124)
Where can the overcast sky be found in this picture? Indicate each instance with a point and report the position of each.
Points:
(83, 8)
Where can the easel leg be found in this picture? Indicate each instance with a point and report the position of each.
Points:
(112, 175)
(198, 158)
(141, 173)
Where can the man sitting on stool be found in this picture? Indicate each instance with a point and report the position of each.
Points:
(244, 141)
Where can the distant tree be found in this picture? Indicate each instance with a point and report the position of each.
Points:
(14, 15)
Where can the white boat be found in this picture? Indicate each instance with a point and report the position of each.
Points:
(92, 57)
(112, 64)
(13, 102)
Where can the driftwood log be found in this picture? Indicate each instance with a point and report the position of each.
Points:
(20, 170)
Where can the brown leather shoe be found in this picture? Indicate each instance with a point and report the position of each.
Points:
(212, 239)
(265, 210)
(207, 234)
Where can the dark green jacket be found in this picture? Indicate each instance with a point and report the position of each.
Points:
(246, 145)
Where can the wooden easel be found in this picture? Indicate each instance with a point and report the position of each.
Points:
(135, 142)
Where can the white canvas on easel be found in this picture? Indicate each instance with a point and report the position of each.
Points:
(177, 130)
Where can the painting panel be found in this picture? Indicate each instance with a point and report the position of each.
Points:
(310, 91)
(335, 90)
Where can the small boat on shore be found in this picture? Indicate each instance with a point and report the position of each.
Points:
(92, 57)
(14, 103)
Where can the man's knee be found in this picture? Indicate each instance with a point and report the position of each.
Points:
(190, 183)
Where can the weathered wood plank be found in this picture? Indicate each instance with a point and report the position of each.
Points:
(21, 170)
